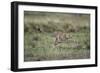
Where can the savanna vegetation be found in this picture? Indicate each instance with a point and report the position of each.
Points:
(39, 39)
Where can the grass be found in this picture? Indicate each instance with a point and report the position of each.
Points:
(39, 28)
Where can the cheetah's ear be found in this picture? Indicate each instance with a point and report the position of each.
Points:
(54, 33)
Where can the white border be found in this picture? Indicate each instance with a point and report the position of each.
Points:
(22, 64)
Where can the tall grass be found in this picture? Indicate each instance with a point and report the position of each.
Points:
(39, 28)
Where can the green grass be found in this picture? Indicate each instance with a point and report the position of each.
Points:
(39, 37)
